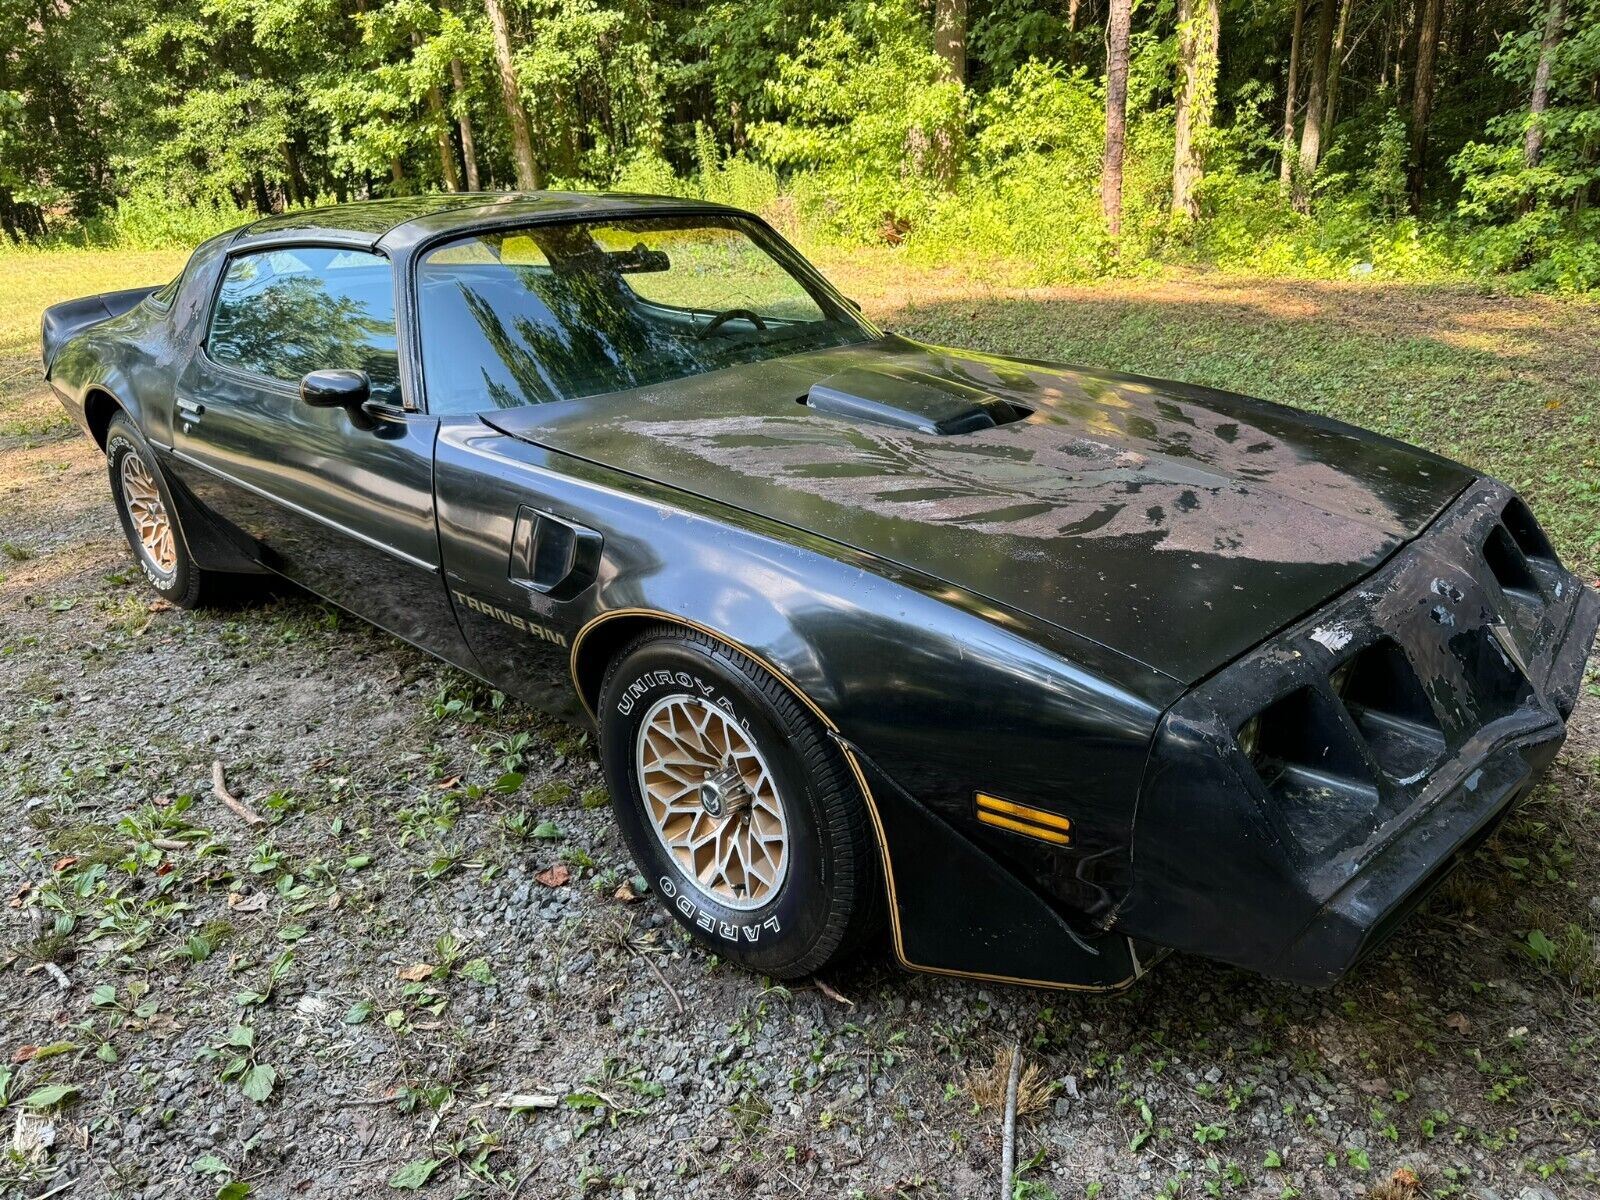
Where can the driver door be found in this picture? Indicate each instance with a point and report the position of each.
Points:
(339, 501)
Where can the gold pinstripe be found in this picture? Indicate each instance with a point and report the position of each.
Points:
(855, 769)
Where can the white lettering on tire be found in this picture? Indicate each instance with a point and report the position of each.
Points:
(704, 919)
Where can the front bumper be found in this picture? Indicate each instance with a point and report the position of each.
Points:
(1385, 737)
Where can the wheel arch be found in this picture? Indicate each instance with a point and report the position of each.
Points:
(99, 407)
(603, 636)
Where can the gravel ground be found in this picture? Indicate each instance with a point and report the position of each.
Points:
(427, 967)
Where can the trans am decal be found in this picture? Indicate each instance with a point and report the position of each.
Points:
(531, 628)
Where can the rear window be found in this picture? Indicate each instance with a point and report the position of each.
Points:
(284, 313)
(556, 312)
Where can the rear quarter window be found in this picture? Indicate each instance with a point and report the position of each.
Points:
(286, 312)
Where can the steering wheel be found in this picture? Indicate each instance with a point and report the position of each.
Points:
(731, 314)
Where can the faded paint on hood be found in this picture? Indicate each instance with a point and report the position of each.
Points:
(1174, 524)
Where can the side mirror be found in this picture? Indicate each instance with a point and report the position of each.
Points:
(348, 390)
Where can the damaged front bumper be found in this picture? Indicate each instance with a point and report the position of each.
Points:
(1301, 802)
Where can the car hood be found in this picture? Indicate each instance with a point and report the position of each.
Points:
(1176, 525)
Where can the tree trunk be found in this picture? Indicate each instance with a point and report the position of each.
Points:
(1422, 97)
(1199, 34)
(441, 135)
(258, 189)
(1316, 100)
(1291, 93)
(448, 171)
(1335, 65)
(469, 153)
(516, 116)
(1554, 22)
(1117, 21)
(950, 37)
(397, 171)
(295, 180)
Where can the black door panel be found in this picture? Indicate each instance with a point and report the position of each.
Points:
(344, 510)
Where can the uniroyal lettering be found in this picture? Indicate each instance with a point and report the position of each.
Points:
(636, 690)
(531, 628)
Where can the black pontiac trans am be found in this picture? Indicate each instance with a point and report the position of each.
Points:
(1056, 669)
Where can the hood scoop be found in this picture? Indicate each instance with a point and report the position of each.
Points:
(908, 399)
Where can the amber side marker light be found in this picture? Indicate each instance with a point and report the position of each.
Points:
(1020, 818)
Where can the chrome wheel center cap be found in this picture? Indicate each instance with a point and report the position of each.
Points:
(723, 794)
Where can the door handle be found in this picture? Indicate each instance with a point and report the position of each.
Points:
(192, 410)
(553, 556)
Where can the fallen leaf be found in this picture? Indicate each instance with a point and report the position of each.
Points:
(334, 900)
(164, 869)
(21, 893)
(24, 1053)
(63, 863)
(415, 973)
(625, 892)
(522, 1100)
(444, 785)
(832, 993)
(247, 904)
(556, 876)
(414, 1174)
(1405, 1179)
(1458, 1022)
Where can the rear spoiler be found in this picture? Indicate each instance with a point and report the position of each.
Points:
(62, 321)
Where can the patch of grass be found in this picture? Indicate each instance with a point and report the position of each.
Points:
(31, 282)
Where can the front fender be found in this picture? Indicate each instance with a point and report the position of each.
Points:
(934, 694)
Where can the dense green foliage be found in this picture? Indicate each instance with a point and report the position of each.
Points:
(149, 125)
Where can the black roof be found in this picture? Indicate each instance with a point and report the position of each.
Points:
(410, 219)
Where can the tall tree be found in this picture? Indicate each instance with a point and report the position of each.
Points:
(1291, 93)
(441, 137)
(469, 151)
(1118, 20)
(1554, 23)
(1335, 67)
(448, 171)
(1316, 100)
(1422, 96)
(511, 98)
(1199, 38)
(950, 36)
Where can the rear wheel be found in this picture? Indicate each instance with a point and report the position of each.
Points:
(150, 519)
(737, 805)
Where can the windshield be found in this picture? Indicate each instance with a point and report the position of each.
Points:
(555, 312)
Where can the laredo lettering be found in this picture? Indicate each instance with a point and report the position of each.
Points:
(532, 629)
(706, 921)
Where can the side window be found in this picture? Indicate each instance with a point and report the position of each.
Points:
(287, 312)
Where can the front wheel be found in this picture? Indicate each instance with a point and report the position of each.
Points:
(150, 519)
(736, 804)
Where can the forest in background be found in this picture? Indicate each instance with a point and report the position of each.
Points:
(1049, 139)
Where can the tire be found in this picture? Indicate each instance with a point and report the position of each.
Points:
(801, 904)
(138, 483)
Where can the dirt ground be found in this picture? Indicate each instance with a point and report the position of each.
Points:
(424, 968)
